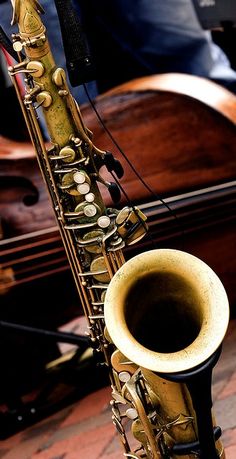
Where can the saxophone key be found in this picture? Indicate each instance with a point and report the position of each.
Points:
(76, 162)
(97, 303)
(31, 95)
(96, 317)
(67, 154)
(59, 77)
(93, 273)
(104, 221)
(124, 376)
(72, 215)
(114, 191)
(36, 68)
(92, 245)
(84, 188)
(98, 265)
(116, 243)
(131, 225)
(63, 92)
(90, 210)
(76, 141)
(98, 286)
(90, 197)
(81, 177)
(131, 413)
(68, 185)
(120, 363)
(80, 226)
(92, 241)
(113, 164)
(18, 46)
(44, 99)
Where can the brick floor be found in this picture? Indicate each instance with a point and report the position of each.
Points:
(84, 429)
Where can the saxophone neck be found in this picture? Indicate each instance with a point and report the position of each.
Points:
(26, 13)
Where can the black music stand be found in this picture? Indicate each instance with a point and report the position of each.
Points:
(63, 384)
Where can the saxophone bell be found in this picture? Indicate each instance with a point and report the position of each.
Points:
(168, 312)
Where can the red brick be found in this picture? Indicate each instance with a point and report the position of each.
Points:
(92, 405)
(229, 437)
(230, 452)
(27, 442)
(229, 388)
(26, 449)
(11, 441)
(115, 455)
(89, 445)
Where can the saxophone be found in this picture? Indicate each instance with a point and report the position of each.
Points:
(157, 321)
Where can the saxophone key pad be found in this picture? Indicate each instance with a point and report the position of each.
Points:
(44, 99)
(18, 46)
(36, 68)
(124, 376)
(84, 188)
(81, 177)
(131, 413)
(90, 197)
(83, 182)
(67, 184)
(59, 77)
(90, 210)
(67, 154)
(98, 266)
(95, 237)
(104, 221)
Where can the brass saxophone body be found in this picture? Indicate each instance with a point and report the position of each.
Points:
(162, 308)
(91, 233)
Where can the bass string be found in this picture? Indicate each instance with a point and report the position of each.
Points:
(33, 257)
(178, 202)
(42, 265)
(56, 240)
(7, 285)
(30, 244)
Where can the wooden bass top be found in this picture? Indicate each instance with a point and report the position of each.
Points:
(177, 130)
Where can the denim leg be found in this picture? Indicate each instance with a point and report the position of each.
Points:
(163, 35)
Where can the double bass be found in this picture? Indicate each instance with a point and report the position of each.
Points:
(178, 132)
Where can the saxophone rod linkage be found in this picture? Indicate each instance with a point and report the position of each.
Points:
(23, 109)
(66, 237)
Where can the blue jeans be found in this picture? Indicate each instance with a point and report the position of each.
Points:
(156, 36)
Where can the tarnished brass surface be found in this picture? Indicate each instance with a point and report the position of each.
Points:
(166, 310)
